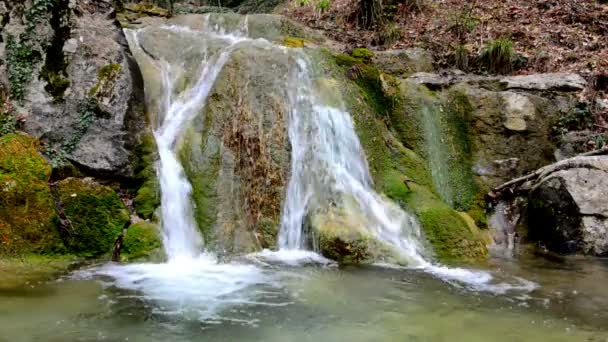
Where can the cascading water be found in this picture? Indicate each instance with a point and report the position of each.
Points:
(328, 166)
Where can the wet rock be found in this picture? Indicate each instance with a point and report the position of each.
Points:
(342, 236)
(142, 240)
(552, 81)
(402, 63)
(568, 211)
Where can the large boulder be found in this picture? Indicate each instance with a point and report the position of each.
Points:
(79, 90)
(568, 207)
(27, 209)
(92, 216)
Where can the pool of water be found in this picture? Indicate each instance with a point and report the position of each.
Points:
(269, 302)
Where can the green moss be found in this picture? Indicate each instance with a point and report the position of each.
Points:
(105, 78)
(147, 197)
(95, 213)
(293, 42)
(203, 176)
(17, 271)
(141, 240)
(363, 54)
(26, 206)
(445, 229)
(392, 165)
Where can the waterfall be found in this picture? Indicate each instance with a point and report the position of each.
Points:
(328, 166)
(181, 237)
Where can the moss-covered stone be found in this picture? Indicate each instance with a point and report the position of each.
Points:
(363, 54)
(453, 239)
(401, 173)
(147, 197)
(294, 42)
(141, 241)
(342, 237)
(105, 79)
(95, 216)
(26, 205)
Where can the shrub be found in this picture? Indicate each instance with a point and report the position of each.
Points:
(498, 56)
(323, 5)
(390, 34)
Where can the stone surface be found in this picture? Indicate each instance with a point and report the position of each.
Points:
(89, 115)
(518, 111)
(402, 63)
(568, 210)
(553, 81)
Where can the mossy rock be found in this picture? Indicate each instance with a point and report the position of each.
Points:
(95, 213)
(27, 209)
(342, 237)
(147, 198)
(393, 165)
(363, 54)
(452, 237)
(142, 240)
(294, 42)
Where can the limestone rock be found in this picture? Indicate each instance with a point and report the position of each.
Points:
(568, 210)
(89, 108)
(551, 81)
(518, 110)
(402, 63)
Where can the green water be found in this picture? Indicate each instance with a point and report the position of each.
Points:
(326, 304)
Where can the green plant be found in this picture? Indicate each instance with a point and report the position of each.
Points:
(323, 5)
(498, 56)
(87, 116)
(303, 3)
(463, 23)
(23, 54)
(577, 119)
(390, 34)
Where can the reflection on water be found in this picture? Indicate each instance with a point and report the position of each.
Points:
(323, 304)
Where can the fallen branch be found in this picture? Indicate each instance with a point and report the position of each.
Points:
(498, 191)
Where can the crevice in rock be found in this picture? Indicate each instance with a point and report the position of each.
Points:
(54, 68)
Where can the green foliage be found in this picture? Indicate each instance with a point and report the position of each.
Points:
(86, 113)
(95, 213)
(303, 3)
(140, 241)
(579, 118)
(498, 56)
(8, 121)
(323, 5)
(391, 33)
(23, 54)
(463, 23)
(21, 59)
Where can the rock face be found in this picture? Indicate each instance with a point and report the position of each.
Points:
(402, 63)
(568, 210)
(83, 96)
(555, 82)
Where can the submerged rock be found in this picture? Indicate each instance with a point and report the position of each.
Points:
(568, 207)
